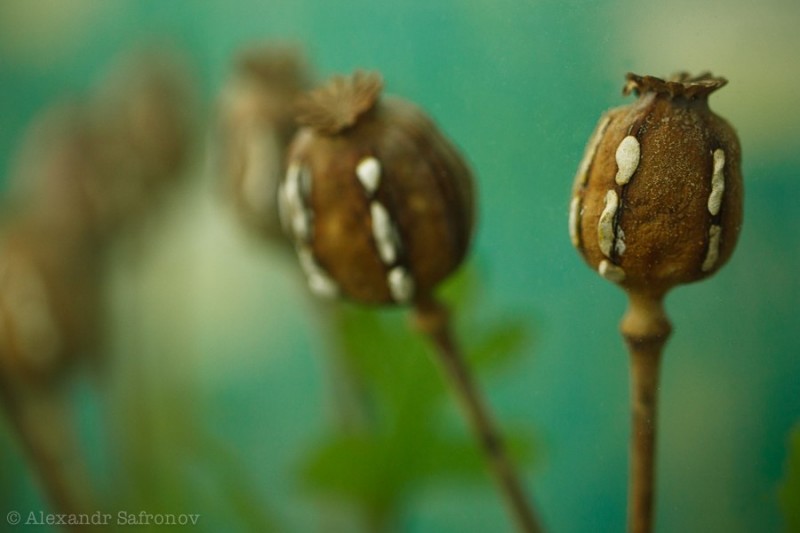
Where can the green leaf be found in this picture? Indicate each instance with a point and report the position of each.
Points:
(393, 360)
(498, 344)
(362, 468)
(383, 468)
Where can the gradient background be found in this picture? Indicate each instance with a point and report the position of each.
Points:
(518, 85)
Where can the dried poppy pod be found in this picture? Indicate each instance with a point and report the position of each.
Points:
(657, 199)
(50, 306)
(256, 124)
(96, 165)
(657, 202)
(49, 302)
(143, 117)
(380, 207)
(377, 200)
(53, 171)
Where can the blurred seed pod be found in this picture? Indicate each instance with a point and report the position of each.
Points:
(96, 166)
(54, 172)
(84, 171)
(143, 113)
(256, 124)
(378, 202)
(49, 303)
(657, 199)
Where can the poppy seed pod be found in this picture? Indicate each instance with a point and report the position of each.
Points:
(147, 100)
(657, 199)
(256, 125)
(142, 114)
(378, 202)
(54, 170)
(49, 302)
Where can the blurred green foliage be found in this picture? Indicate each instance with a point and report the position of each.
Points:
(402, 441)
(789, 494)
(170, 464)
(166, 461)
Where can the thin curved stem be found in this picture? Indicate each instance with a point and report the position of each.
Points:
(39, 419)
(645, 328)
(433, 320)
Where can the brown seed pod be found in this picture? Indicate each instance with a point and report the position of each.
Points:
(49, 302)
(377, 200)
(53, 171)
(94, 166)
(657, 199)
(142, 113)
(657, 202)
(256, 125)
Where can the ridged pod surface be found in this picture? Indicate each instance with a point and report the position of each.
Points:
(657, 200)
(378, 202)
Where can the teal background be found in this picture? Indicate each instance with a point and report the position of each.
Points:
(518, 85)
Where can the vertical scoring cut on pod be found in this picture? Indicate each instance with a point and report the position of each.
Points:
(390, 208)
(658, 194)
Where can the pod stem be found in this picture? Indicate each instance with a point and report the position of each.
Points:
(39, 419)
(433, 320)
(645, 328)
